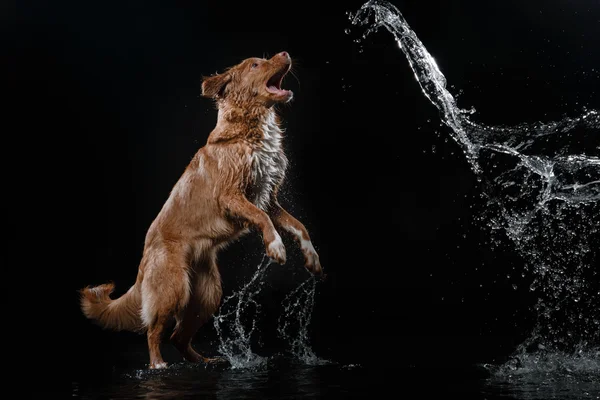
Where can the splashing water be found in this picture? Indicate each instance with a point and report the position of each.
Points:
(241, 310)
(234, 336)
(547, 205)
(293, 322)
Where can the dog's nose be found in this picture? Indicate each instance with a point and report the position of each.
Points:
(284, 54)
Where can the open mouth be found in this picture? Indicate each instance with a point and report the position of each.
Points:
(274, 83)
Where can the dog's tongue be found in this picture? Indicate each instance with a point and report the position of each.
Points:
(275, 89)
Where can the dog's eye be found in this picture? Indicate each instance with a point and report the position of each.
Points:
(254, 65)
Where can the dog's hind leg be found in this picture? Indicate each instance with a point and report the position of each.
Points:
(204, 302)
(165, 295)
(184, 331)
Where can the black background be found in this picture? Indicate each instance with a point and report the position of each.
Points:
(111, 115)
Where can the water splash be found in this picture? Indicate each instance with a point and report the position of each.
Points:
(232, 318)
(546, 205)
(548, 375)
(239, 314)
(294, 321)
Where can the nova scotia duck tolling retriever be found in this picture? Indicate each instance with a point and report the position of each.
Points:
(229, 187)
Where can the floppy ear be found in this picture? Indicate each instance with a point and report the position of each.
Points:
(213, 86)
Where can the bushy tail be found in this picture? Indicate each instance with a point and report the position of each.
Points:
(119, 314)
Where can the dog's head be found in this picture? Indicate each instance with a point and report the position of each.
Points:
(254, 80)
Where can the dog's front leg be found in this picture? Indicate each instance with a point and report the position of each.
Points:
(282, 219)
(239, 207)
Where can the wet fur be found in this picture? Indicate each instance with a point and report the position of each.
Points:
(229, 186)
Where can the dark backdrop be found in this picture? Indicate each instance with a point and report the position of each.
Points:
(111, 115)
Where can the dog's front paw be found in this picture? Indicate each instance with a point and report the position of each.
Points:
(312, 262)
(276, 250)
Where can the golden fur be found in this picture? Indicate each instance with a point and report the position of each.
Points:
(230, 185)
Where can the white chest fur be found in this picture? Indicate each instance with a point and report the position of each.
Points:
(268, 164)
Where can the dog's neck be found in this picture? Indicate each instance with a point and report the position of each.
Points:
(252, 125)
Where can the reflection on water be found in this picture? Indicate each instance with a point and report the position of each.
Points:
(549, 387)
(282, 378)
(278, 378)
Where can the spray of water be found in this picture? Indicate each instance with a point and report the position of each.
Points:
(239, 314)
(294, 321)
(231, 323)
(546, 205)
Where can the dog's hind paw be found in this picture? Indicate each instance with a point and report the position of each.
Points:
(160, 365)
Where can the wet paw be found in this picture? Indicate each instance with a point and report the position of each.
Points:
(159, 365)
(311, 258)
(276, 250)
(312, 262)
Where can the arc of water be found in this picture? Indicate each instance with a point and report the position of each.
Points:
(551, 188)
(473, 137)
